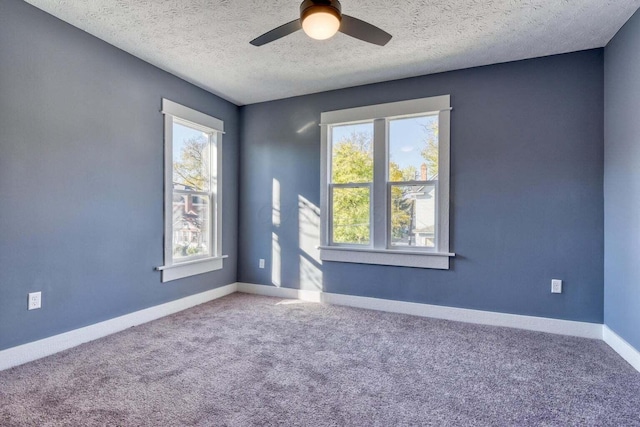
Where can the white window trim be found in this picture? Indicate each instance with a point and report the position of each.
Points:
(379, 251)
(170, 270)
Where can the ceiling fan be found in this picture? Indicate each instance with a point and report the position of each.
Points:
(321, 19)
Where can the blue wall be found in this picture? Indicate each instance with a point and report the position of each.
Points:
(526, 185)
(81, 178)
(81, 184)
(622, 183)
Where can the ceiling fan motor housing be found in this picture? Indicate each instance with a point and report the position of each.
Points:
(313, 6)
(320, 20)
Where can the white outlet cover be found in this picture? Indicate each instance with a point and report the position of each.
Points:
(556, 286)
(35, 300)
(261, 264)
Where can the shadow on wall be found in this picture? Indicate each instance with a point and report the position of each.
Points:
(305, 259)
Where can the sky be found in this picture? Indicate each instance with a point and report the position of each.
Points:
(407, 137)
(182, 133)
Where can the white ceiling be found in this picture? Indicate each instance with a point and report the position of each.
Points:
(206, 42)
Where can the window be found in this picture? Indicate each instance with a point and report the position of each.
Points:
(192, 212)
(385, 184)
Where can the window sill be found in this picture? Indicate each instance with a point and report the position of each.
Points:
(403, 258)
(190, 268)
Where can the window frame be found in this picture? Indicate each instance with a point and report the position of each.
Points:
(332, 186)
(176, 269)
(380, 249)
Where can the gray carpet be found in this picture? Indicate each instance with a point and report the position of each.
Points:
(247, 360)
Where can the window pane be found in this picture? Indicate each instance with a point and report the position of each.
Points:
(351, 208)
(413, 215)
(352, 153)
(190, 226)
(413, 149)
(190, 158)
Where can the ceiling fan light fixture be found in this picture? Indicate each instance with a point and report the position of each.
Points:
(321, 25)
(320, 21)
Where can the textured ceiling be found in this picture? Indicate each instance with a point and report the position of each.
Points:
(206, 42)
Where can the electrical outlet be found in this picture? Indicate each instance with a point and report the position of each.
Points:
(35, 300)
(261, 263)
(556, 286)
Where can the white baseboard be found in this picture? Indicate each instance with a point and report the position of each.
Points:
(623, 348)
(37, 349)
(532, 323)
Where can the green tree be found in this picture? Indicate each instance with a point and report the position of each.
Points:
(430, 150)
(352, 163)
(400, 206)
(353, 159)
(189, 170)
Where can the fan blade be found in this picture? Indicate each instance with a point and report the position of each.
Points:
(277, 33)
(364, 31)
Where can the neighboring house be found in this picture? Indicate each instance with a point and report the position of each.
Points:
(423, 215)
(188, 213)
